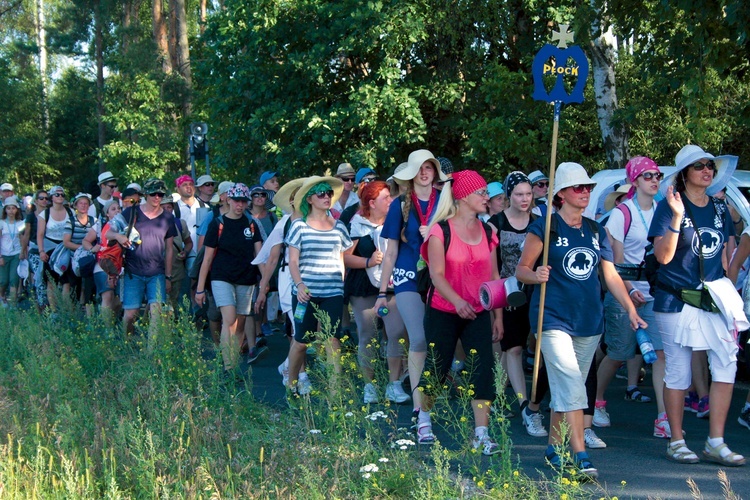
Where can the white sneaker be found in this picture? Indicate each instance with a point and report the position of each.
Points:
(601, 417)
(303, 384)
(395, 393)
(371, 394)
(533, 423)
(486, 445)
(592, 440)
(284, 372)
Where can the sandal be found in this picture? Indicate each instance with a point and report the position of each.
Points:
(637, 396)
(424, 434)
(714, 455)
(680, 453)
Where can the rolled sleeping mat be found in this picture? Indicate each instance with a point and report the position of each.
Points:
(501, 293)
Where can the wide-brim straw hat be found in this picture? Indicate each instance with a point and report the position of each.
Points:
(336, 184)
(414, 163)
(282, 199)
(609, 200)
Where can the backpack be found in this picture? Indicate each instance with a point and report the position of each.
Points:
(273, 283)
(176, 205)
(424, 282)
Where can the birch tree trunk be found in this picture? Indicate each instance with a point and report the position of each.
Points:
(99, 57)
(602, 49)
(41, 38)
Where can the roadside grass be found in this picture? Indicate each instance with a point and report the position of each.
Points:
(88, 413)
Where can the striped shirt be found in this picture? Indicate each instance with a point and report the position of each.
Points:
(321, 264)
(79, 231)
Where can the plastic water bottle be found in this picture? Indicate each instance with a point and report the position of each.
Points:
(299, 312)
(382, 311)
(647, 348)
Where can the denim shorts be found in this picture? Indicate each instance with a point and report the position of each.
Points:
(620, 338)
(134, 288)
(101, 280)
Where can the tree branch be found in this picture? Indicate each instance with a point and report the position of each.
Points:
(11, 7)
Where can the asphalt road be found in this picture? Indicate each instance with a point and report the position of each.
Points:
(632, 455)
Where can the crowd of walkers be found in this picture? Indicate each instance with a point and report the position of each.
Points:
(406, 257)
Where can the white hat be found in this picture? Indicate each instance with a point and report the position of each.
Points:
(224, 186)
(6, 187)
(345, 169)
(203, 179)
(416, 159)
(688, 155)
(537, 176)
(11, 201)
(106, 176)
(571, 174)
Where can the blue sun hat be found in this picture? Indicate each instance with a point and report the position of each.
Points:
(688, 155)
(494, 189)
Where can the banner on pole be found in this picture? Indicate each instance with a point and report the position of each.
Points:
(566, 64)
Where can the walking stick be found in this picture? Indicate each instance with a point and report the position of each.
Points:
(545, 64)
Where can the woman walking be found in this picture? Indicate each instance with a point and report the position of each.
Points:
(405, 228)
(11, 250)
(364, 260)
(578, 250)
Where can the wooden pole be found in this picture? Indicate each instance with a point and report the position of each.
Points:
(545, 251)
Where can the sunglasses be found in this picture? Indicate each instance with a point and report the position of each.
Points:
(347, 179)
(211, 184)
(652, 175)
(111, 186)
(542, 184)
(325, 194)
(60, 195)
(580, 188)
(157, 195)
(132, 201)
(43, 198)
(700, 166)
(367, 180)
(260, 195)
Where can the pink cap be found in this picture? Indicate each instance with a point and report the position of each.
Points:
(183, 179)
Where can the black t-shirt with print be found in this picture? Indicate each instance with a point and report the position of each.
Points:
(235, 250)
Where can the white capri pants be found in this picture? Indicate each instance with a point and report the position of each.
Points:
(568, 360)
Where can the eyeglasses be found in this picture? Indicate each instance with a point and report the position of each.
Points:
(260, 195)
(652, 175)
(325, 194)
(367, 180)
(211, 184)
(580, 188)
(111, 186)
(60, 195)
(43, 198)
(481, 193)
(542, 184)
(157, 195)
(700, 166)
(347, 179)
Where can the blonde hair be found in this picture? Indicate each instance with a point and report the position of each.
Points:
(446, 207)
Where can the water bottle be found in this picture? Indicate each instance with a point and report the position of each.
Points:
(382, 311)
(299, 312)
(647, 348)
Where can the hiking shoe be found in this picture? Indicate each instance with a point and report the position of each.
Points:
(601, 417)
(744, 418)
(585, 467)
(371, 394)
(255, 353)
(592, 440)
(284, 372)
(303, 384)
(533, 423)
(486, 445)
(703, 408)
(637, 396)
(662, 429)
(691, 402)
(266, 329)
(395, 393)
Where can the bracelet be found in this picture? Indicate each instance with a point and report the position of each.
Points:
(382, 295)
(676, 231)
(298, 284)
(201, 292)
(367, 262)
(631, 291)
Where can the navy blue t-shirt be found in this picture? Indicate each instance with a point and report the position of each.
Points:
(148, 258)
(683, 271)
(405, 268)
(573, 301)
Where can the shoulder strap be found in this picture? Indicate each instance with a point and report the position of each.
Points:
(720, 207)
(689, 214)
(498, 220)
(622, 207)
(446, 234)
(488, 233)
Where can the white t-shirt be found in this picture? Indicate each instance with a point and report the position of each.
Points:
(634, 244)
(189, 215)
(10, 242)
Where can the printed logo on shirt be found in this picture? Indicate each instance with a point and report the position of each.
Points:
(401, 276)
(712, 242)
(580, 262)
(249, 233)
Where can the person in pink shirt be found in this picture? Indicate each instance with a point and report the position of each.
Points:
(454, 311)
